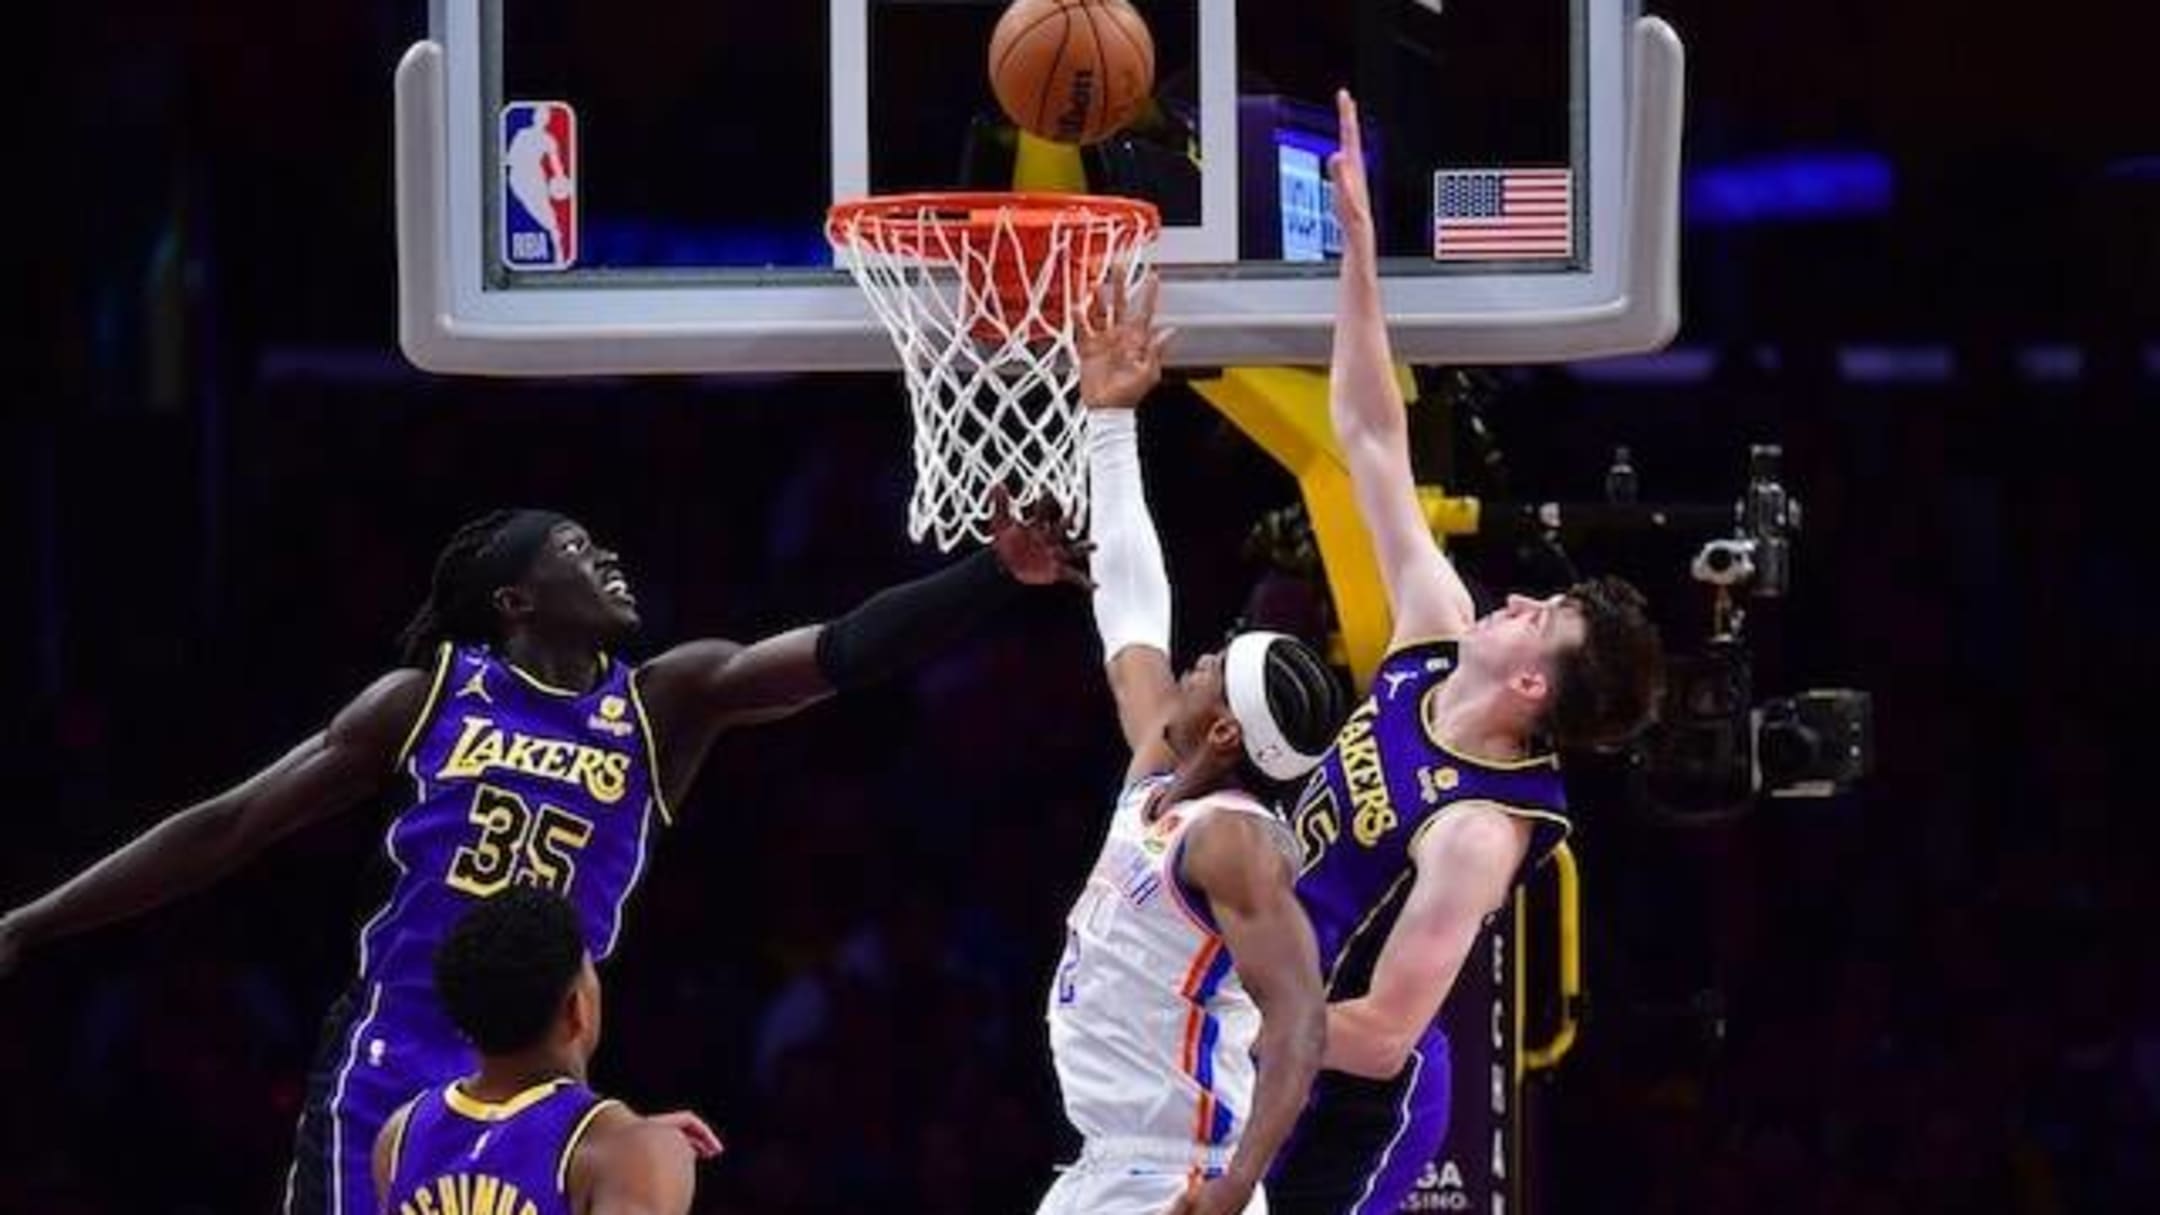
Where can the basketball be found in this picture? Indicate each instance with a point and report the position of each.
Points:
(1073, 71)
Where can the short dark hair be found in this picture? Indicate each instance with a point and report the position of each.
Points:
(1609, 686)
(505, 967)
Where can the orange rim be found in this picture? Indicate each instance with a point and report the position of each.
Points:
(872, 221)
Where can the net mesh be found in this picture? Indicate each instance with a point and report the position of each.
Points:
(981, 294)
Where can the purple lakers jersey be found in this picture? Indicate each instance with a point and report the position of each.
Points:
(515, 782)
(1384, 779)
(512, 1157)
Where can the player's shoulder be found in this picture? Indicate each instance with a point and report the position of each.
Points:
(1472, 833)
(402, 686)
(618, 1146)
(390, 1140)
(386, 710)
(1232, 825)
(596, 1134)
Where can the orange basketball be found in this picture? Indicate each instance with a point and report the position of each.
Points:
(1073, 71)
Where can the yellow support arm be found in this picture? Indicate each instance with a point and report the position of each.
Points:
(1568, 888)
(1285, 411)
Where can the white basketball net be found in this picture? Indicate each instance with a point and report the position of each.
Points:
(992, 374)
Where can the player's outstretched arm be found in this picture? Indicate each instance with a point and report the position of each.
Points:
(633, 1166)
(325, 775)
(1248, 879)
(1120, 363)
(698, 689)
(1365, 403)
(1465, 866)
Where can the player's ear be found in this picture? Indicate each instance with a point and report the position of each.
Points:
(1225, 737)
(581, 1005)
(512, 602)
(1531, 684)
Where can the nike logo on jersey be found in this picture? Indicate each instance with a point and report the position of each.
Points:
(476, 686)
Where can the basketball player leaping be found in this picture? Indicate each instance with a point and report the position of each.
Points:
(522, 1133)
(1436, 797)
(1186, 955)
(535, 757)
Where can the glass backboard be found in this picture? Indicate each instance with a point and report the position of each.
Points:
(641, 186)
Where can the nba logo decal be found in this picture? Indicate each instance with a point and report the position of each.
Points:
(539, 185)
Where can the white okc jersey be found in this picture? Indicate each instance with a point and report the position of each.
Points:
(1150, 1029)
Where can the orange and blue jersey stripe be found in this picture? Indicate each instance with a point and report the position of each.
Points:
(1211, 1120)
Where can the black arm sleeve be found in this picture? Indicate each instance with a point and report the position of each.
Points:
(902, 625)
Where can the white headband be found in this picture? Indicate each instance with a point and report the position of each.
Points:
(1245, 687)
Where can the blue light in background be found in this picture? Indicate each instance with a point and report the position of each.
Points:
(1791, 188)
(2133, 168)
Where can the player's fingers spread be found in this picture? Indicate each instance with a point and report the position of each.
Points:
(1150, 289)
(701, 1138)
(1163, 338)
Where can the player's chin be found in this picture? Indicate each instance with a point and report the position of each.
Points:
(621, 619)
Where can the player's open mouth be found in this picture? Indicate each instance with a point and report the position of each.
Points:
(617, 586)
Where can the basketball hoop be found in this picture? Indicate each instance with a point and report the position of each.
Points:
(981, 294)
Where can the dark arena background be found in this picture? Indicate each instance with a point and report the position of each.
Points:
(1921, 260)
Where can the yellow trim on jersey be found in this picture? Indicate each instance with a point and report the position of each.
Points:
(1424, 715)
(403, 1119)
(1567, 826)
(443, 651)
(652, 752)
(577, 1136)
(498, 1111)
(540, 685)
(1397, 647)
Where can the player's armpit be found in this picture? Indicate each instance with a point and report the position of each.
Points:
(325, 775)
(1466, 862)
(1240, 862)
(633, 1167)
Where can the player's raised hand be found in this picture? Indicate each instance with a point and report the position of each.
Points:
(1037, 548)
(1353, 198)
(1216, 1196)
(701, 1138)
(1120, 347)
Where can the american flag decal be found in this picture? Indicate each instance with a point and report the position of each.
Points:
(1503, 214)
